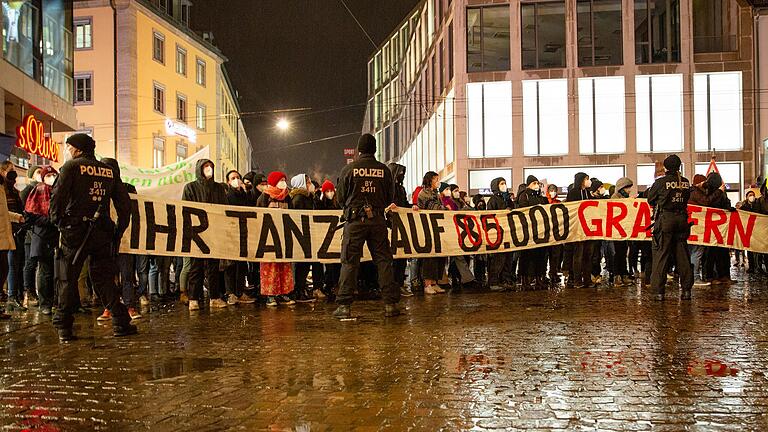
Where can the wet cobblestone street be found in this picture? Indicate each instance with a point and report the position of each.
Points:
(570, 359)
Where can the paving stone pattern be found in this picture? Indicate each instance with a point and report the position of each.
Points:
(604, 359)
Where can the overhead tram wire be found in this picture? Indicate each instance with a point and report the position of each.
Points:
(375, 47)
(312, 141)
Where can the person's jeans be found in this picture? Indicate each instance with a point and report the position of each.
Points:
(46, 292)
(159, 271)
(16, 270)
(127, 265)
(697, 255)
(142, 269)
(31, 283)
(184, 277)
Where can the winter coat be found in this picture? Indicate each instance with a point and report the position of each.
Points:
(301, 199)
(699, 196)
(239, 197)
(498, 201)
(429, 199)
(328, 204)
(266, 201)
(577, 193)
(398, 173)
(6, 232)
(204, 190)
(530, 198)
(622, 183)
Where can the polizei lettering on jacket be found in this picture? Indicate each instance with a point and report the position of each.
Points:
(95, 171)
(678, 185)
(368, 172)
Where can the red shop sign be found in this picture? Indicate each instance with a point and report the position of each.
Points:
(31, 137)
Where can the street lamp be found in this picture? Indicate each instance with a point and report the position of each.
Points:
(283, 125)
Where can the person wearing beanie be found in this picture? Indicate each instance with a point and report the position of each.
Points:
(302, 198)
(430, 198)
(458, 266)
(84, 189)
(276, 278)
(669, 197)
(330, 283)
(366, 192)
(205, 189)
(533, 262)
(717, 260)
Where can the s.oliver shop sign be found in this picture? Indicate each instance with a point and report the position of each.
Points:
(180, 129)
(31, 137)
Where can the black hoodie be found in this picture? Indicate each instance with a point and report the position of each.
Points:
(204, 190)
(577, 193)
(398, 173)
(497, 201)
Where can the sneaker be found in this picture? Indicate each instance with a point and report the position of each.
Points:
(105, 316)
(232, 299)
(126, 330)
(342, 312)
(271, 301)
(194, 305)
(133, 313)
(284, 299)
(46, 310)
(497, 288)
(432, 289)
(218, 303)
(405, 291)
(391, 310)
(246, 299)
(439, 289)
(14, 305)
(143, 301)
(702, 283)
(184, 299)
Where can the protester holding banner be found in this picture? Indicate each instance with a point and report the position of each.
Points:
(255, 183)
(205, 190)
(235, 271)
(533, 263)
(699, 254)
(276, 278)
(555, 252)
(332, 272)
(401, 200)
(580, 274)
(621, 247)
(303, 198)
(600, 248)
(458, 268)
(430, 198)
(500, 266)
(717, 265)
(669, 198)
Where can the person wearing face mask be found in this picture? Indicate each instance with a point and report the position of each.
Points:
(533, 262)
(580, 253)
(276, 278)
(749, 205)
(500, 265)
(15, 257)
(717, 260)
(599, 251)
(303, 198)
(205, 189)
(458, 266)
(621, 247)
(255, 183)
(235, 271)
(7, 242)
(401, 200)
(45, 235)
(554, 253)
(80, 204)
(480, 268)
(431, 197)
(30, 264)
(332, 272)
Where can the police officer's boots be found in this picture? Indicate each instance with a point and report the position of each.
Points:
(685, 294)
(391, 310)
(342, 312)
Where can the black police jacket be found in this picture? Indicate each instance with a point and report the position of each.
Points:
(670, 193)
(84, 186)
(365, 182)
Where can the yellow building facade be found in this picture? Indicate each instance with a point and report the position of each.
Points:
(149, 89)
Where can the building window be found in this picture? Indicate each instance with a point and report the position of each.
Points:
(717, 111)
(715, 23)
(185, 9)
(83, 33)
(200, 122)
(449, 134)
(159, 98)
(545, 117)
(181, 151)
(83, 89)
(488, 39)
(601, 115)
(489, 119)
(599, 32)
(543, 34)
(659, 113)
(158, 152)
(201, 72)
(158, 47)
(657, 31)
(480, 180)
(181, 61)
(181, 108)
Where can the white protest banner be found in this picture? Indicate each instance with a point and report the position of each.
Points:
(165, 182)
(180, 228)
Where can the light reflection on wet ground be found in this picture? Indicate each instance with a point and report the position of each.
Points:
(578, 359)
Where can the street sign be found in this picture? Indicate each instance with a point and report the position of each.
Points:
(349, 152)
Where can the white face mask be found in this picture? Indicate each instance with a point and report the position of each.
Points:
(553, 194)
(235, 183)
(50, 180)
(751, 199)
(208, 172)
(330, 195)
(68, 152)
(37, 177)
(456, 195)
(503, 187)
(282, 184)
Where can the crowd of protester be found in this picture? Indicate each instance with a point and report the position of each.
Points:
(28, 242)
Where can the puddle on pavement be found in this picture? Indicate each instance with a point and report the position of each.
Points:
(177, 366)
(712, 367)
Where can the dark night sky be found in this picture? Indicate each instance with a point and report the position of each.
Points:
(286, 54)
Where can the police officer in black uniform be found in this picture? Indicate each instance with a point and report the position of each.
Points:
(366, 191)
(669, 197)
(80, 207)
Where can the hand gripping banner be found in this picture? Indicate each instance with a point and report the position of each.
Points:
(187, 229)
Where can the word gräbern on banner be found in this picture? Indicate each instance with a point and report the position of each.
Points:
(188, 229)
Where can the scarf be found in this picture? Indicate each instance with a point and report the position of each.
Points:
(449, 203)
(276, 193)
(39, 200)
